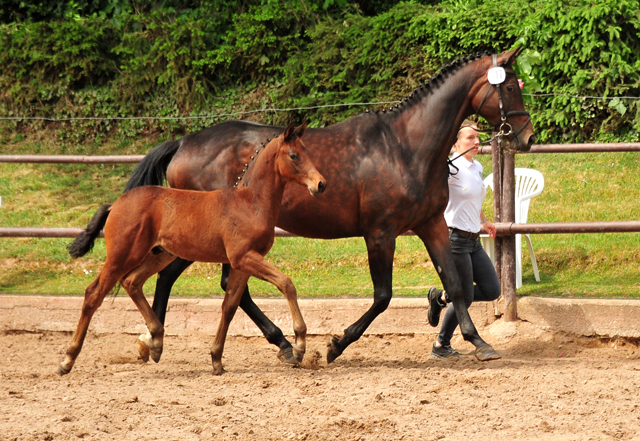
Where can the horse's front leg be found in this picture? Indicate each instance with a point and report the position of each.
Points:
(272, 333)
(166, 279)
(381, 247)
(235, 287)
(435, 237)
(254, 264)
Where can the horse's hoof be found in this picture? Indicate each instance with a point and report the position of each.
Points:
(333, 349)
(486, 353)
(298, 356)
(288, 356)
(218, 369)
(155, 354)
(143, 350)
(63, 371)
(298, 353)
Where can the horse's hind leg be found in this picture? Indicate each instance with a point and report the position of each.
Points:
(235, 287)
(151, 344)
(436, 239)
(380, 248)
(93, 297)
(272, 333)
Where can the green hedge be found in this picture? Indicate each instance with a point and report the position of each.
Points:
(216, 60)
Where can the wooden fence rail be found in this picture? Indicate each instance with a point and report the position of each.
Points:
(504, 205)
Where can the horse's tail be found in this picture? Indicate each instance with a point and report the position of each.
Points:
(85, 240)
(152, 170)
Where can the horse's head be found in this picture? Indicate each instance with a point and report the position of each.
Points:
(498, 99)
(294, 163)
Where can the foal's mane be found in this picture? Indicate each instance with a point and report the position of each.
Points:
(252, 157)
(429, 86)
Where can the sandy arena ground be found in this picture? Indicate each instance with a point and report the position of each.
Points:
(546, 387)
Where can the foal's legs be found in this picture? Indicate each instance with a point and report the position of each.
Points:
(254, 264)
(235, 288)
(168, 276)
(151, 343)
(93, 297)
(272, 333)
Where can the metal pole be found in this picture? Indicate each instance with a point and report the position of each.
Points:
(509, 242)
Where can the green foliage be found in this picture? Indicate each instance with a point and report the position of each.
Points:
(42, 62)
(585, 48)
(180, 58)
(261, 40)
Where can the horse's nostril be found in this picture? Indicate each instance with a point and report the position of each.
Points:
(321, 187)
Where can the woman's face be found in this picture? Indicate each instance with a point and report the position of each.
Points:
(468, 139)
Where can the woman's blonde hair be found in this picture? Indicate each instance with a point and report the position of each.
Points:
(466, 123)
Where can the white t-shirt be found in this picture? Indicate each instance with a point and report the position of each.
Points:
(466, 194)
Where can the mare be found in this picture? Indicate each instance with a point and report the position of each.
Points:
(389, 175)
(149, 227)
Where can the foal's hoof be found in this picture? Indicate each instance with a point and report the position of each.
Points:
(143, 350)
(486, 353)
(146, 348)
(289, 356)
(333, 349)
(62, 370)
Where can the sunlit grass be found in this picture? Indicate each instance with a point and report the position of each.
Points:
(578, 187)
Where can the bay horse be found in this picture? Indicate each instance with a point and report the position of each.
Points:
(149, 227)
(389, 172)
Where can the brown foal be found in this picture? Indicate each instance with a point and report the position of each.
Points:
(149, 227)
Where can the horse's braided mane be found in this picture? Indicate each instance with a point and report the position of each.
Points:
(436, 81)
(251, 158)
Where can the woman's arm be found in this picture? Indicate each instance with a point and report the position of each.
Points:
(488, 226)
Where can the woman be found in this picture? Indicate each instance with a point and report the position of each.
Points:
(464, 217)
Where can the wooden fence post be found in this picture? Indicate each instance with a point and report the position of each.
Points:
(508, 280)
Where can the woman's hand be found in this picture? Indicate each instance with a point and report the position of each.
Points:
(490, 228)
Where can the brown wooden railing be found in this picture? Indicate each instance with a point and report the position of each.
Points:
(503, 163)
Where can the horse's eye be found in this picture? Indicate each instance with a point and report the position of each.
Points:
(511, 88)
(293, 155)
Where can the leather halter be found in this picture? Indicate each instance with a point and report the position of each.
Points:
(505, 128)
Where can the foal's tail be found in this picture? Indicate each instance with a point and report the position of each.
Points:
(85, 240)
(152, 170)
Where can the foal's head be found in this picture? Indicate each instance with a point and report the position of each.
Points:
(294, 164)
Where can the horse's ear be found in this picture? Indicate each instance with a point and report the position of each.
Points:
(507, 58)
(299, 131)
(289, 130)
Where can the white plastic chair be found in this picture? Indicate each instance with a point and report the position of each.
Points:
(529, 183)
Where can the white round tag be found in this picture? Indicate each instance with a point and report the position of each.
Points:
(496, 75)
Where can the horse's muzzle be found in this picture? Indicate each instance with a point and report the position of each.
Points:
(317, 189)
